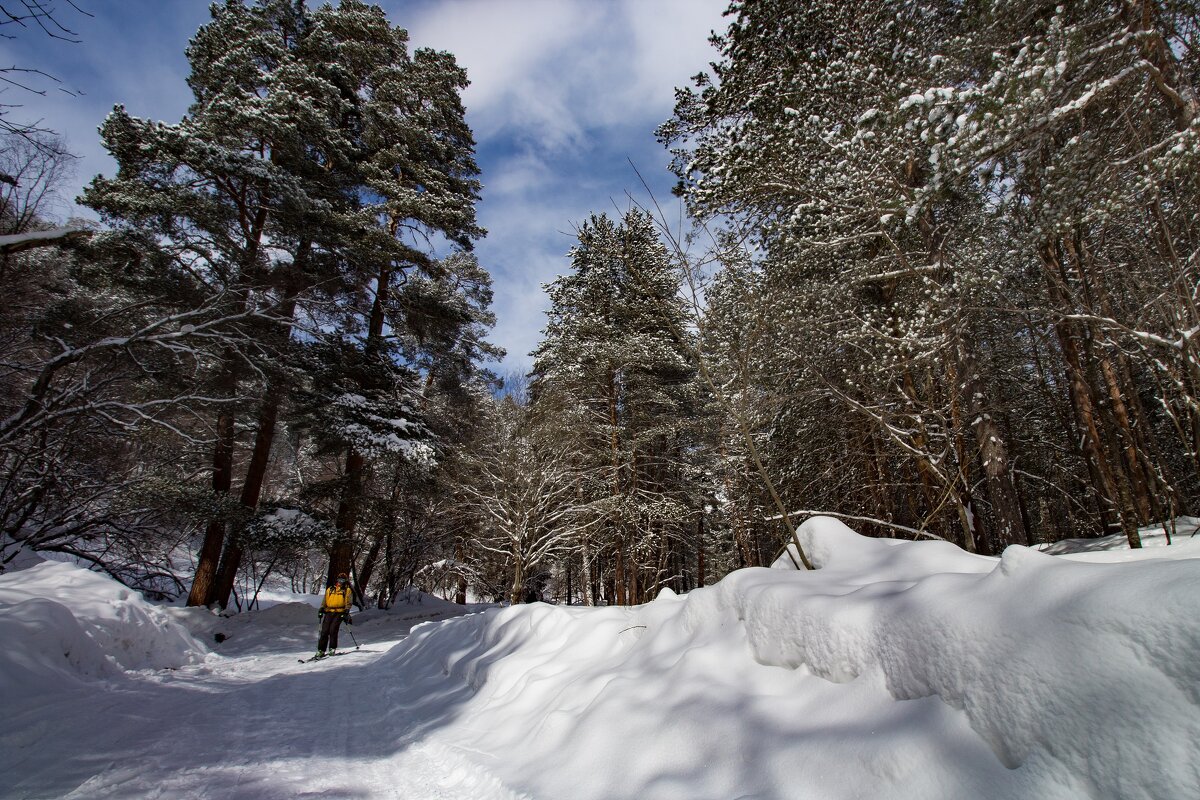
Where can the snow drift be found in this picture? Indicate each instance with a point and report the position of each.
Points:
(896, 669)
(60, 622)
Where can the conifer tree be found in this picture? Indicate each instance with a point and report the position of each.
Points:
(939, 197)
(317, 157)
(614, 377)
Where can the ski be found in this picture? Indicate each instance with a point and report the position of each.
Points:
(331, 655)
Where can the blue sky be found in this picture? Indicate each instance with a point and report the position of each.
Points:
(564, 94)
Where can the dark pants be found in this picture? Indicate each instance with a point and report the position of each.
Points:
(329, 630)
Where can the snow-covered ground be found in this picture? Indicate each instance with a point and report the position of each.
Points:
(895, 670)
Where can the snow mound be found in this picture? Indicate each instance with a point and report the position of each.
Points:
(88, 618)
(54, 649)
(1179, 535)
(831, 546)
(288, 614)
(936, 673)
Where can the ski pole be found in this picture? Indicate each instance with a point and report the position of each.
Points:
(352, 638)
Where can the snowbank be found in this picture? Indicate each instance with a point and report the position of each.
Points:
(59, 621)
(1115, 548)
(896, 669)
(899, 670)
(45, 646)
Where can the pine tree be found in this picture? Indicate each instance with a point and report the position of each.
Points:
(954, 213)
(614, 377)
(316, 155)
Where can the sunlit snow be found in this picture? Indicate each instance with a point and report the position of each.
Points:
(895, 670)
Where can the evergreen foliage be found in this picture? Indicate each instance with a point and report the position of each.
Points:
(964, 219)
(950, 294)
(282, 232)
(614, 382)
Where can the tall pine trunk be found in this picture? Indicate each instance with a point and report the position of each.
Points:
(1115, 504)
(264, 437)
(204, 583)
(206, 586)
(993, 451)
(341, 555)
(256, 471)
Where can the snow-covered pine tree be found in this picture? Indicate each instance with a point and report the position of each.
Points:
(613, 379)
(417, 180)
(860, 299)
(1081, 120)
(912, 177)
(232, 193)
(735, 323)
(316, 159)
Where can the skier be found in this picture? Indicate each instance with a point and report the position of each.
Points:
(334, 609)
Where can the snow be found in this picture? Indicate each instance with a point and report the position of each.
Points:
(895, 669)
(134, 633)
(19, 241)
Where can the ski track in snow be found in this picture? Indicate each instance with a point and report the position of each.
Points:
(254, 724)
(900, 670)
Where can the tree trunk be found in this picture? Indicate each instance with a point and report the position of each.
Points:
(367, 570)
(516, 594)
(204, 583)
(231, 558)
(993, 451)
(965, 508)
(589, 586)
(920, 443)
(341, 554)
(1119, 428)
(567, 569)
(1114, 508)
(619, 580)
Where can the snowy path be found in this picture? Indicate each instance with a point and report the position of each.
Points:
(899, 670)
(254, 724)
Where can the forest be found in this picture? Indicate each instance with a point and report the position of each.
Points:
(938, 279)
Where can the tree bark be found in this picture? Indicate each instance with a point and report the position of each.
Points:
(993, 451)
(589, 586)
(204, 583)
(341, 554)
(264, 437)
(342, 551)
(1112, 505)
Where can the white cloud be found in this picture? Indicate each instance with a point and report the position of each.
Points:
(670, 45)
(506, 48)
(563, 92)
(550, 72)
(133, 57)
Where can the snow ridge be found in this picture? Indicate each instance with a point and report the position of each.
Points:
(936, 672)
(908, 670)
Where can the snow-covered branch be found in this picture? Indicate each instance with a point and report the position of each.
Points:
(18, 242)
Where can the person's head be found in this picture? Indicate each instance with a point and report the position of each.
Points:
(342, 579)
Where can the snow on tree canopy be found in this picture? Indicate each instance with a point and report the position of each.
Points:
(289, 525)
(372, 427)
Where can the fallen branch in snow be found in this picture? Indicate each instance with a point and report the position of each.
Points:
(853, 518)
